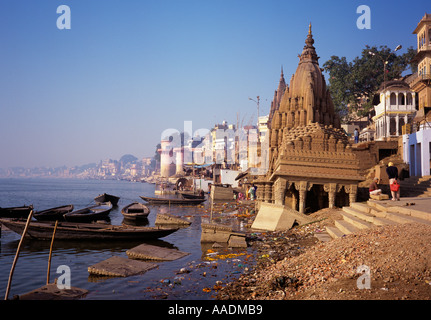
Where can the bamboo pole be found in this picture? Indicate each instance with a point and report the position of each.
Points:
(50, 252)
(212, 207)
(17, 254)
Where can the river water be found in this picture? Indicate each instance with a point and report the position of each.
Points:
(206, 269)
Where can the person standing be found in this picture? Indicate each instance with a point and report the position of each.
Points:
(251, 192)
(356, 134)
(392, 172)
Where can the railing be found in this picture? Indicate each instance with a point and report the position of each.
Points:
(415, 78)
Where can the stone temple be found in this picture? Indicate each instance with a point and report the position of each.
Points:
(311, 163)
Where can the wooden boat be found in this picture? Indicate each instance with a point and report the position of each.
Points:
(102, 198)
(15, 212)
(85, 231)
(93, 213)
(172, 201)
(135, 211)
(53, 214)
(193, 195)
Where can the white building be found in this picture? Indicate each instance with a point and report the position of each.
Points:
(397, 107)
(417, 151)
(262, 127)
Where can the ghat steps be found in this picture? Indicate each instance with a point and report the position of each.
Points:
(364, 215)
(416, 187)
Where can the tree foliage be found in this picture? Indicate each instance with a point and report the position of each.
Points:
(353, 84)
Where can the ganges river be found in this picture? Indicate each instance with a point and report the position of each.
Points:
(195, 276)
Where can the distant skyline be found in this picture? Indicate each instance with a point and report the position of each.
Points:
(128, 70)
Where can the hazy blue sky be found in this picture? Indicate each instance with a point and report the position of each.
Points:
(127, 70)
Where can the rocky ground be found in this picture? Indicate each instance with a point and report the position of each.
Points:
(294, 265)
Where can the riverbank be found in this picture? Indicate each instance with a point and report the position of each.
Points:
(294, 265)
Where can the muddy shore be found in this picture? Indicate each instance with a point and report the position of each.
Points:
(387, 262)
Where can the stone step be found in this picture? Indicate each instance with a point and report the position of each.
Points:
(355, 221)
(370, 219)
(359, 214)
(374, 213)
(376, 205)
(416, 188)
(402, 218)
(379, 221)
(346, 227)
(379, 197)
(360, 206)
(418, 179)
(323, 236)
(411, 211)
(334, 232)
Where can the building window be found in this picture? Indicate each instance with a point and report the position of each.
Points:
(409, 99)
(401, 100)
(393, 99)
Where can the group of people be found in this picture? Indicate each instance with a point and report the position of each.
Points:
(250, 194)
(394, 186)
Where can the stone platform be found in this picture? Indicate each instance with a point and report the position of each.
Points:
(274, 217)
(150, 252)
(120, 267)
(52, 292)
(216, 233)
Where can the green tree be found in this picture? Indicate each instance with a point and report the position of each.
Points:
(353, 84)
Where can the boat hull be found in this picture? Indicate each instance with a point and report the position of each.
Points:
(172, 201)
(135, 211)
(15, 212)
(93, 213)
(91, 231)
(53, 214)
(101, 198)
(192, 195)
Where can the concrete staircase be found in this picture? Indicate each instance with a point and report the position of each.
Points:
(373, 213)
(416, 187)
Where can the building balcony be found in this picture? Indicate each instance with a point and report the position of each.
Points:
(415, 78)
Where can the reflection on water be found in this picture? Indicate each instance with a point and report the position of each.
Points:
(165, 281)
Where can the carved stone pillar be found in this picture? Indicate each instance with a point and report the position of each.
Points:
(294, 201)
(259, 192)
(353, 191)
(279, 191)
(302, 187)
(268, 192)
(263, 191)
(331, 189)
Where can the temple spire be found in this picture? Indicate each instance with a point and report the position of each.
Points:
(309, 41)
(309, 52)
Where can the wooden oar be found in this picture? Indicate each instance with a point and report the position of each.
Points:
(50, 252)
(17, 254)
